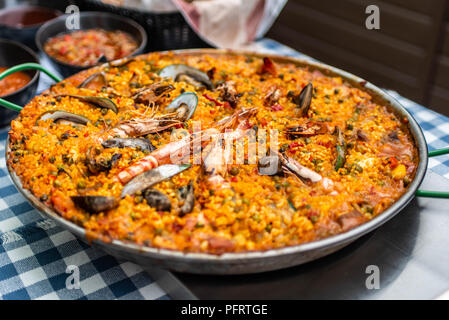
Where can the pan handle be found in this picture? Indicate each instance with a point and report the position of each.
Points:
(434, 194)
(20, 67)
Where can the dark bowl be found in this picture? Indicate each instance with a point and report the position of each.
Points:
(21, 23)
(88, 20)
(13, 53)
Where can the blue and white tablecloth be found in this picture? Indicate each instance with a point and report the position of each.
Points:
(35, 253)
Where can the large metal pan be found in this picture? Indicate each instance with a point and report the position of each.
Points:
(252, 262)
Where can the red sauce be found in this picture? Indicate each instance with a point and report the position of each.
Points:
(13, 82)
(86, 47)
(26, 16)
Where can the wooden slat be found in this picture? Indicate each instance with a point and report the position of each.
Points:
(442, 74)
(445, 45)
(397, 22)
(370, 44)
(423, 6)
(379, 74)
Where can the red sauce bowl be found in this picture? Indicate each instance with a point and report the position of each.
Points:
(21, 23)
(13, 53)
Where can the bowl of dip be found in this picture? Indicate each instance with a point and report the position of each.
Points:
(21, 23)
(20, 86)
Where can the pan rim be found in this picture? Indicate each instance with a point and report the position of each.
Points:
(333, 241)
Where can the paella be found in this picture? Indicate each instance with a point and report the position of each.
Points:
(211, 153)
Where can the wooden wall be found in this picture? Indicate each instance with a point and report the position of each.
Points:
(410, 52)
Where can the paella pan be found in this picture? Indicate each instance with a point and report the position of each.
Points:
(211, 161)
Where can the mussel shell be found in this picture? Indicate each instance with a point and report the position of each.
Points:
(136, 143)
(305, 99)
(99, 102)
(91, 78)
(157, 200)
(186, 99)
(94, 204)
(149, 178)
(186, 195)
(57, 115)
(121, 62)
(173, 71)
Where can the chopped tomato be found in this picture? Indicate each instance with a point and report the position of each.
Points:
(393, 162)
(268, 66)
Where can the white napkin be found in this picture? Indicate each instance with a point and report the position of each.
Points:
(230, 24)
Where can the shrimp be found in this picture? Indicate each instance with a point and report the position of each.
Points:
(165, 154)
(215, 162)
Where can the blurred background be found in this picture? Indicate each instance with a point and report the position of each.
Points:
(409, 53)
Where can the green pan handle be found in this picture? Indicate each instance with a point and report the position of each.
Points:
(20, 67)
(434, 194)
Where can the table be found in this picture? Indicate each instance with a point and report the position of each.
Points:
(35, 253)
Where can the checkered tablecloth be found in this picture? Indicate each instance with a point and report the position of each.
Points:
(35, 253)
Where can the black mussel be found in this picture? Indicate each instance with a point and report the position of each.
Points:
(185, 73)
(184, 105)
(63, 116)
(99, 102)
(95, 81)
(303, 100)
(149, 178)
(157, 200)
(186, 198)
(94, 204)
(136, 143)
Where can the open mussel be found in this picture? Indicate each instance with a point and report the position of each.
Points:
(61, 116)
(99, 102)
(186, 199)
(303, 100)
(185, 73)
(157, 200)
(119, 63)
(151, 177)
(95, 81)
(94, 204)
(136, 143)
(184, 106)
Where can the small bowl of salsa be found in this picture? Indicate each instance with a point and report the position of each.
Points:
(102, 37)
(21, 23)
(19, 87)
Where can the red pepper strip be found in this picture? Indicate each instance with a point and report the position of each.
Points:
(213, 100)
(277, 107)
(268, 66)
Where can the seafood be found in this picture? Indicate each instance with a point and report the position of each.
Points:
(212, 153)
(182, 72)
